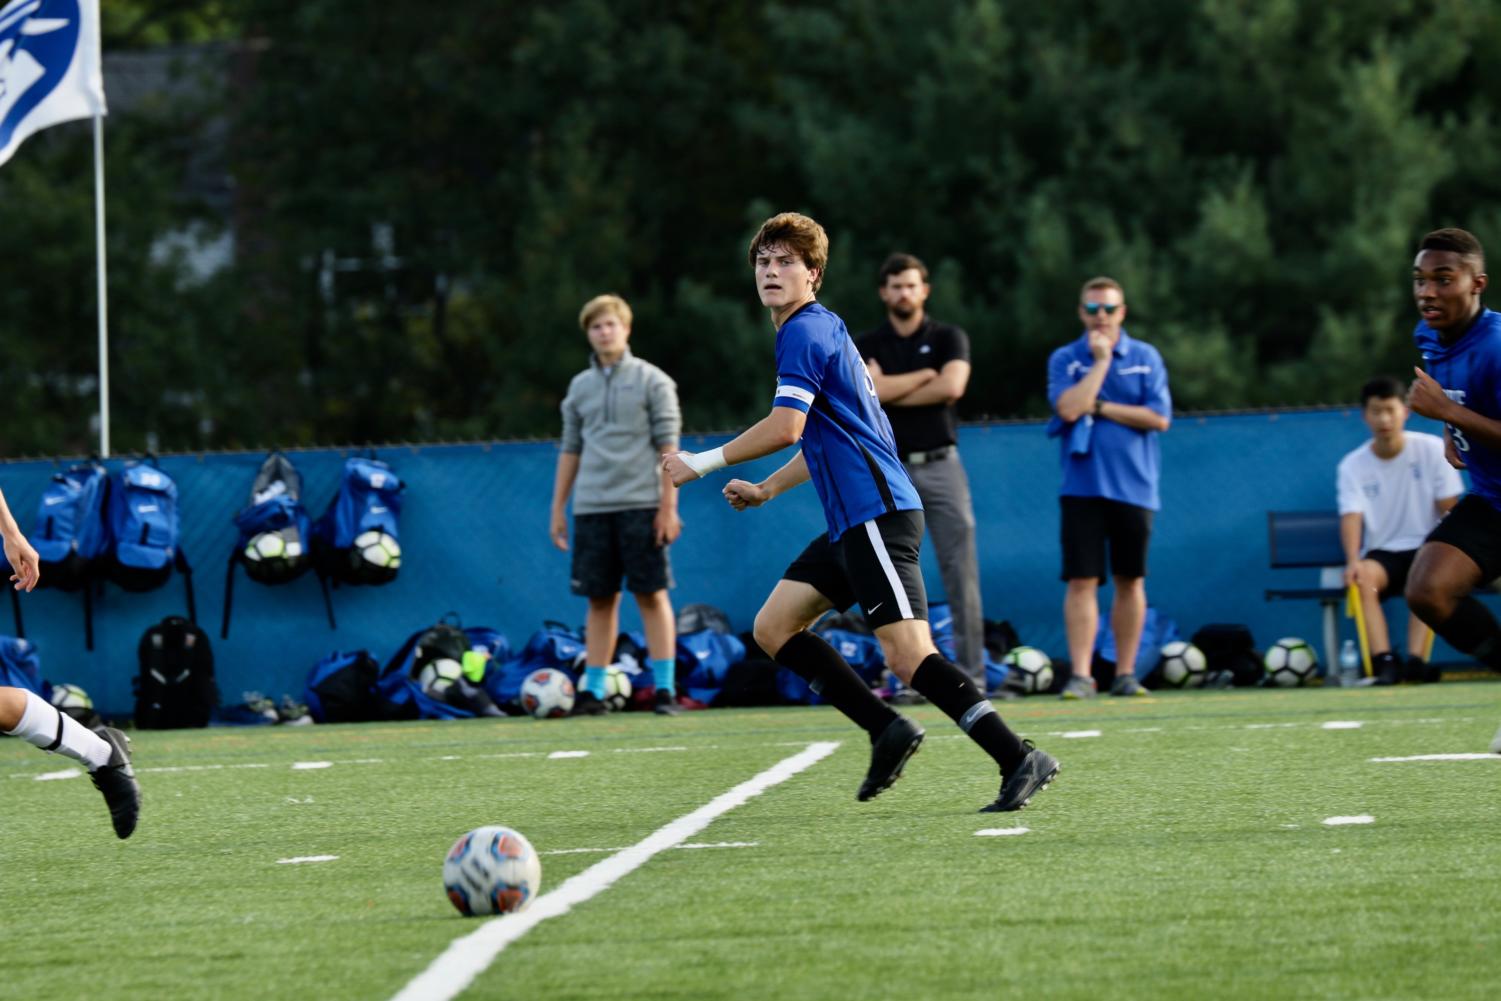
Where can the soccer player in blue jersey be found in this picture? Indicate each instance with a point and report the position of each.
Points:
(1460, 341)
(826, 400)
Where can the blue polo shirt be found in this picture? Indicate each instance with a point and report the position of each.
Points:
(1102, 458)
(847, 440)
(1469, 370)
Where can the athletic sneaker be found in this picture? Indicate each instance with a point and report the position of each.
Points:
(117, 780)
(588, 704)
(1035, 773)
(1125, 684)
(1079, 688)
(666, 704)
(888, 754)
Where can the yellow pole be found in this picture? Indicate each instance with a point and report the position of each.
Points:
(1355, 610)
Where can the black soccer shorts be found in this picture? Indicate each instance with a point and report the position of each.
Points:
(1474, 528)
(874, 564)
(1088, 523)
(607, 547)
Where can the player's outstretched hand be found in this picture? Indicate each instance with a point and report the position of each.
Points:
(26, 569)
(742, 494)
(677, 470)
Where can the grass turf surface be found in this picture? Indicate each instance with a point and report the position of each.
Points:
(1181, 854)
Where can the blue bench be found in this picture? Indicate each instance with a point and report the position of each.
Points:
(1303, 540)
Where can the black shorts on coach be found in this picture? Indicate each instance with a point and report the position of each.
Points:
(607, 547)
(1088, 524)
(1474, 528)
(874, 565)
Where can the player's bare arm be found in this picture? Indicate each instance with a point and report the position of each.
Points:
(562, 487)
(25, 566)
(1429, 399)
(742, 494)
(772, 433)
(891, 388)
(1079, 399)
(947, 386)
(667, 526)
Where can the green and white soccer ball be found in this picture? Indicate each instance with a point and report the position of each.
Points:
(436, 676)
(69, 697)
(378, 549)
(1028, 670)
(1183, 665)
(617, 689)
(271, 546)
(1290, 662)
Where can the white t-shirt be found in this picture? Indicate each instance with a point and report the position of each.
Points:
(1396, 496)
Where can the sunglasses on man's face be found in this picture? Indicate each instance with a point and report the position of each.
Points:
(1093, 308)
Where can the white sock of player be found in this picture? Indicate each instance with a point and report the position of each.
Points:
(60, 733)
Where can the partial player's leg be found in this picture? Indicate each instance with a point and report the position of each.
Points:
(1374, 581)
(597, 570)
(648, 575)
(1462, 553)
(661, 648)
(1082, 534)
(103, 752)
(950, 516)
(1129, 529)
(601, 631)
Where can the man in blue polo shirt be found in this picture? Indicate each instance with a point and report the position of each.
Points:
(1110, 400)
(826, 400)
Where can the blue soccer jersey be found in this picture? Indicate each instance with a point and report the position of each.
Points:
(1469, 370)
(847, 440)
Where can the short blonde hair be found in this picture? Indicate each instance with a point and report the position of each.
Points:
(1103, 281)
(602, 304)
(799, 234)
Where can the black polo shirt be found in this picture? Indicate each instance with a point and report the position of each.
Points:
(932, 345)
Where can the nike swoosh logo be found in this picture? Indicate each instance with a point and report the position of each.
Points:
(874, 607)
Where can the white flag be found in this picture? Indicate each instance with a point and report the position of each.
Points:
(49, 67)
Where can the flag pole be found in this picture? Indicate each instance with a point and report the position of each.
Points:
(103, 301)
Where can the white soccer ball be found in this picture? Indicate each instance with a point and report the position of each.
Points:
(547, 693)
(617, 689)
(492, 870)
(437, 675)
(378, 549)
(68, 697)
(265, 546)
(1183, 665)
(1028, 670)
(1290, 662)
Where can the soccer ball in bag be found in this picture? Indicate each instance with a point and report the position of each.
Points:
(492, 870)
(437, 675)
(271, 546)
(378, 549)
(617, 689)
(1290, 663)
(1183, 665)
(547, 693)
(1028, 670)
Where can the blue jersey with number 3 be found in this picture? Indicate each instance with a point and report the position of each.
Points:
(847, 440)
(1469, 370)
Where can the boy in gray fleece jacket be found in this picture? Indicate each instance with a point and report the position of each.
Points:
(619, 418)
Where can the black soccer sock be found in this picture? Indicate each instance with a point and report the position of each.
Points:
(951, 690)
(830, 675)
(1472, 629)
(1385, 663)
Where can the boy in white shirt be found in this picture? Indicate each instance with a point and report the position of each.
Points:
(1392, 491)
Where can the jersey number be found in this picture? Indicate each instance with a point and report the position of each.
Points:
(1458, 437)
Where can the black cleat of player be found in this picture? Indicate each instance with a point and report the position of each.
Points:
(666, 704)
(588, 704)
(117, 781)
(888, 754)
(1035, 773)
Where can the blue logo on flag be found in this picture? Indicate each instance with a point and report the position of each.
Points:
(37, 42)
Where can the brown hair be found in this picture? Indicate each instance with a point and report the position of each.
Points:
(897, 263)
(602, 304)
(799, 234)
(1102, 282)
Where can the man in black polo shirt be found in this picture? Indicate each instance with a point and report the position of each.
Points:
(921, 368)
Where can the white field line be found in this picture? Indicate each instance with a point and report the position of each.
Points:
(1364, 818)
(1342, 724)
(299, 859)
(610, 851)
(1001, 832)
(469, 956)
(1444, 757)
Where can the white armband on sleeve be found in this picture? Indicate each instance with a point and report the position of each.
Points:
(704, 463)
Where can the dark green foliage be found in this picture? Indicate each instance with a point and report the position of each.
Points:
(1256, 174)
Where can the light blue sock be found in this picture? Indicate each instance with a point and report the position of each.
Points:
(594, 681)
(664, 675)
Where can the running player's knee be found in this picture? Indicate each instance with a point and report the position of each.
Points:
(1427, 600)
(770, 633)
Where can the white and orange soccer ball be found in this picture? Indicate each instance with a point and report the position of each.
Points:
(547, 693)
(492, 870)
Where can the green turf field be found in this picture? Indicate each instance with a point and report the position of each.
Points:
(1182, 853)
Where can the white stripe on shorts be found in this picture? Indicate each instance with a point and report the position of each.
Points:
(879, 545)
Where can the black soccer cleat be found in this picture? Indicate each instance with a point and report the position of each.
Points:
(666, 703)
(1035, 773)
(588, 704)
(117, 780)
(888, 755)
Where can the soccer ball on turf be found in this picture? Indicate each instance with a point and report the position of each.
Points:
(492, 870)
(437, 675)
(378, 549)
(1028, 670)
(1290, 663)
(1183, 665)
(617, 689)
(547, 693)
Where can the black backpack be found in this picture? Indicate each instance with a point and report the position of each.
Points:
(175, 688)
(1232, 649)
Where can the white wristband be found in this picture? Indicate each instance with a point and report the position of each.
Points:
(704, 463)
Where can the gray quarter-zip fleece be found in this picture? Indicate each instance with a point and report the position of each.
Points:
(619, 422)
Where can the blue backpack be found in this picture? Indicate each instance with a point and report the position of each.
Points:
(341, 688)
(553, 646)
(357, 540)
(70, 533)
(704, 658)
(273, 539)
(20, 667)
(144, 529)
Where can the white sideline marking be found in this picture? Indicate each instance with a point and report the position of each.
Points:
(306, 858)
(1364, 818)
(568, 754)
(467, 957)
(304, 766)
(1444, 757)
(649, 750)
(1001, 832)
(67, 773)
(607, 851)
(1075, 734)
(1342, 724)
